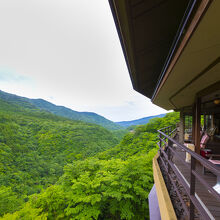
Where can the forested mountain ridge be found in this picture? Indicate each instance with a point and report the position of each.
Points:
(112, 184)
(42, 104)
(140, 121)
(35, 146)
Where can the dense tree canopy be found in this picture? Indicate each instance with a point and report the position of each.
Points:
(35, 146)
(55, 168)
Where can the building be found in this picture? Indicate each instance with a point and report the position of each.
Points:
(172, 51)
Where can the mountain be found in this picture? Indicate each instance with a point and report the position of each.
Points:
(140, 121)
(113, 183)
(35, 145)
(42, 104)
(52, 167)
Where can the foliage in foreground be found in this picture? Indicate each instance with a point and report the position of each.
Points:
(95, 189)
(113, 184)
(34, 148)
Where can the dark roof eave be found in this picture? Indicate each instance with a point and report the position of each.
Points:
(111, 3)
(177, 40)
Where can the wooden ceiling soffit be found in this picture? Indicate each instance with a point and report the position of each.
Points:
(198, 66)
(195, 21)
(210, 89)
(210, 73)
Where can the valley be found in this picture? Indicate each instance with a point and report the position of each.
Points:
(53, 167)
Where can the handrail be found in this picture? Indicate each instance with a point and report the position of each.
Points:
(187, 189)
(165, 137)
(202, 160)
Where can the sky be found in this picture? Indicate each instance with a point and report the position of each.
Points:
(68, 52)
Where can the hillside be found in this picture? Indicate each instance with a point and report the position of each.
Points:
(36, 145)
(112, 184)
(41, 104)
(140, 121)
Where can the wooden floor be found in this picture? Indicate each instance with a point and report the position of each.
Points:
(209, 201)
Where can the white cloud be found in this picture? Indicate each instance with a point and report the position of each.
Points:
(70, 53)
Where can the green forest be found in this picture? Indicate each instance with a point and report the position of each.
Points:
(41, 104)
(53, 167)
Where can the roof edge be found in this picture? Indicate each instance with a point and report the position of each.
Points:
(122, 41)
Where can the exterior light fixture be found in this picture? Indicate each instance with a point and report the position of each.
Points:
(216, 101)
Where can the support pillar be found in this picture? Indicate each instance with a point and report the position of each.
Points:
(205, 122)
(193, 123)
(197, 126)
(196, 139)
(182, 127)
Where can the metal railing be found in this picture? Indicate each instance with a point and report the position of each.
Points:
(167, 152)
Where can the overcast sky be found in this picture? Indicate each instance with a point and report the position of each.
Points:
(68, 52)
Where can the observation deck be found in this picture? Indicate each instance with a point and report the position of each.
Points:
(189, 192)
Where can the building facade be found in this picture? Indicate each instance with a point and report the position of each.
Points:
(172, 51)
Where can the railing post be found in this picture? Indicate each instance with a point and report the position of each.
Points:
(169, 154)
(160, 136)
(165, 131)
(192, 187)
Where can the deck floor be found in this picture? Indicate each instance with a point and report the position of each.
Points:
(211, 203)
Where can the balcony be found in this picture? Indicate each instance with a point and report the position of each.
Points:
(190, 189)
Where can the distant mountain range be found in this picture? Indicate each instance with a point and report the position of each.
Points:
(42, 104)
(140, 121)
(90, 117)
